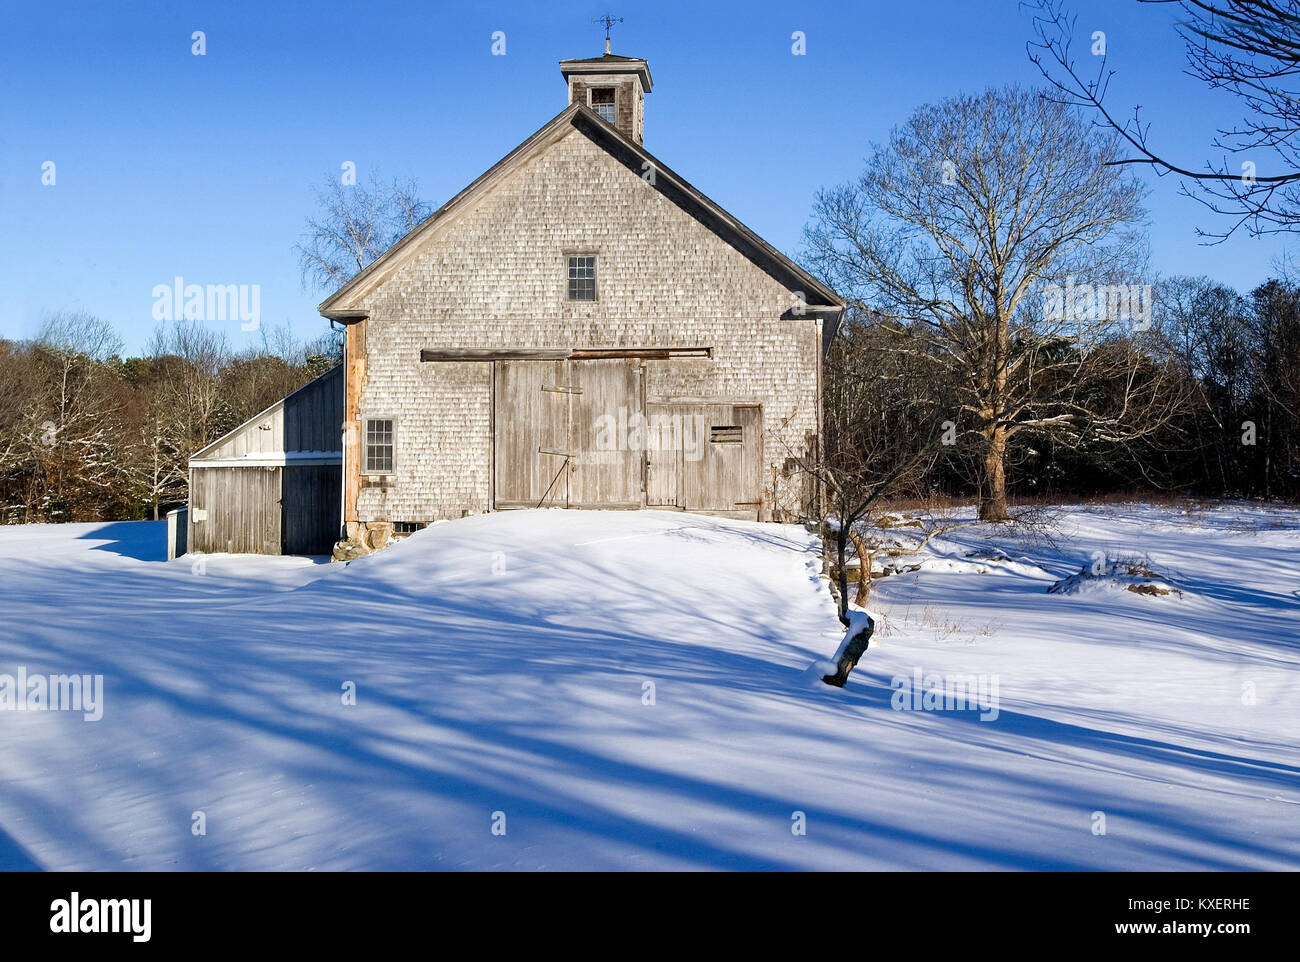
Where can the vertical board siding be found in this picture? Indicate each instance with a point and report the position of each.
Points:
(309, 508)
(242, 507)
(313, 416)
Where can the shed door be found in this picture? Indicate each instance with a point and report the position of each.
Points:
(309, 508)
(709, 457)
(235, 510)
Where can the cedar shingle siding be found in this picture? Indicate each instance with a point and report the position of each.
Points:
(502, 386)
(498, 278)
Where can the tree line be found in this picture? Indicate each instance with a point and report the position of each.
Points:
(1228, 369)
(1005, 337)
(87, 434)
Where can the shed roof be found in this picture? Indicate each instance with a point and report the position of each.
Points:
(324, 386)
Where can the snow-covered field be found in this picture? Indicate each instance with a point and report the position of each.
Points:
(638, 690)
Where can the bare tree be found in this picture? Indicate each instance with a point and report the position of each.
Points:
(158, 470)
(1248, 48)
(863, 459)
(355, 224)
(997, 229)
(186, 406)
(70, 428)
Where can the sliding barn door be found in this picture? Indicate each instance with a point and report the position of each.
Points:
(531, 426)
(569, 434)
(606, 428)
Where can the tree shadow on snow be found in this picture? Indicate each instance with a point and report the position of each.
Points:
(141, 540)
(13, 857)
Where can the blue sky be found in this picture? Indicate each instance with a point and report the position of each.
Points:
(170, 164)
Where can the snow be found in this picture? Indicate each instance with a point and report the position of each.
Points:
(639, 690)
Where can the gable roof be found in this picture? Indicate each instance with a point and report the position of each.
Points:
(345, 303)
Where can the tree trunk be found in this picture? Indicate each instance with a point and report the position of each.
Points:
(864, 572)
(841, 549)
(993, 497)
(853, 649)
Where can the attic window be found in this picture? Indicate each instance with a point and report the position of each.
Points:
(582, 278)
(602, 101)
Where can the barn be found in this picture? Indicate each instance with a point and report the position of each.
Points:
(580, 327)
(272, 485)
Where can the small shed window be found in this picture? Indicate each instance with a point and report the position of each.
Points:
(582, 278)
(379, 446)
(726, 434)
(602, 101)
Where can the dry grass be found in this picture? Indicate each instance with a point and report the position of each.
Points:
(1131, 496)
(934, 622)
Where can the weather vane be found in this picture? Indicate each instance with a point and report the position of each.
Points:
(608, 22)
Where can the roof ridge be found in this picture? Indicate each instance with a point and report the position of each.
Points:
(600, 127)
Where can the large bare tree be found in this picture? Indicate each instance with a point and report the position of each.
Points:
(1249, 49)
(999, 230)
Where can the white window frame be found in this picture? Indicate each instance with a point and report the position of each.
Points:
(365, 445)
(569, 258)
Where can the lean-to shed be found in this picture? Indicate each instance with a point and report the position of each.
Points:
(274, 484)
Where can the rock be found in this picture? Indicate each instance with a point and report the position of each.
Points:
(1150, 589)
(350, 551)
(378, 534)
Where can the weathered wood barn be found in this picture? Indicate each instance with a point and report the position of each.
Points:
(273, 485)
(579, 327)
